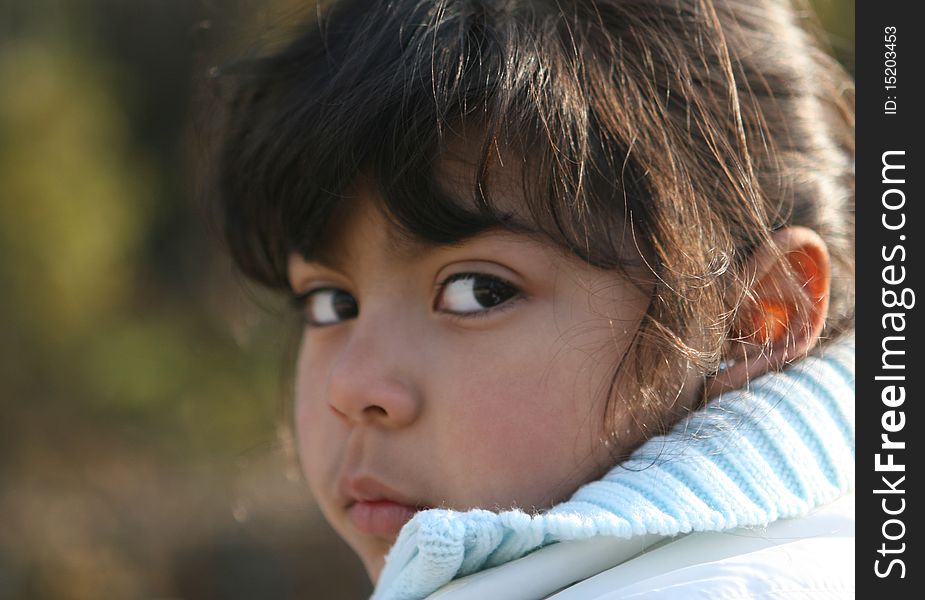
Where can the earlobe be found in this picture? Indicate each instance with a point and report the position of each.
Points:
(785, 312)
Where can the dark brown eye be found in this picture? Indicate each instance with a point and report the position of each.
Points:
(327, 306)
(467, 293)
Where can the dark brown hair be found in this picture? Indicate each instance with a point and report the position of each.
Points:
(697, 126)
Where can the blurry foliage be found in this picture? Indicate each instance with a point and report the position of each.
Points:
(139, 379)
(72, 200)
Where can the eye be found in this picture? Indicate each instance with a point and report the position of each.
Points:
(469, 293)
(327, 306)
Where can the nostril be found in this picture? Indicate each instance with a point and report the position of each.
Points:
(375, 411)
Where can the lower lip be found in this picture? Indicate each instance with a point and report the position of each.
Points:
(380, 517)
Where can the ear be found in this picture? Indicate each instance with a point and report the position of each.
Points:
(786, 311)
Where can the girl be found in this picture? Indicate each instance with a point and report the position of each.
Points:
(576, 280)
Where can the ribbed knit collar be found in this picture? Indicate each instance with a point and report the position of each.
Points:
(777, 450)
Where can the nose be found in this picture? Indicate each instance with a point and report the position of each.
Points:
(370, 381)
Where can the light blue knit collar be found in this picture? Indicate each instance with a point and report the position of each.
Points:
(777, 450)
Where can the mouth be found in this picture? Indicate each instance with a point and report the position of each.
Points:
(376, 510)
(381, 518)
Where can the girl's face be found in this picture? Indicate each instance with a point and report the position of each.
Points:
(471, 375)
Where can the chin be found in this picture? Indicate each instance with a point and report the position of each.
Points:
(372, 554)
(374, 566)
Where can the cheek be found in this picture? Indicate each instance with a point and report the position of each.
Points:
(316, 429)
(529, 423)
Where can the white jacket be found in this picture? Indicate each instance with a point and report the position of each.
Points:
(806, 558)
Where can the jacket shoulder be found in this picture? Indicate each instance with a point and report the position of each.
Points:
(810, 557)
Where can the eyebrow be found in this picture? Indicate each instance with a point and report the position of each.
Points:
(404, 248)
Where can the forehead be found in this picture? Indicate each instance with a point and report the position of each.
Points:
(471, 161)
(474, 184)
(363, 210)
(362, 219)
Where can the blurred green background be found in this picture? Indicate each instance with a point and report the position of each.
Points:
(142, 382)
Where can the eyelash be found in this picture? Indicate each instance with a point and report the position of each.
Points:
(498, 308)
(298, 301)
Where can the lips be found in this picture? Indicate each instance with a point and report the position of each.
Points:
(376, 509)
(382, 518)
